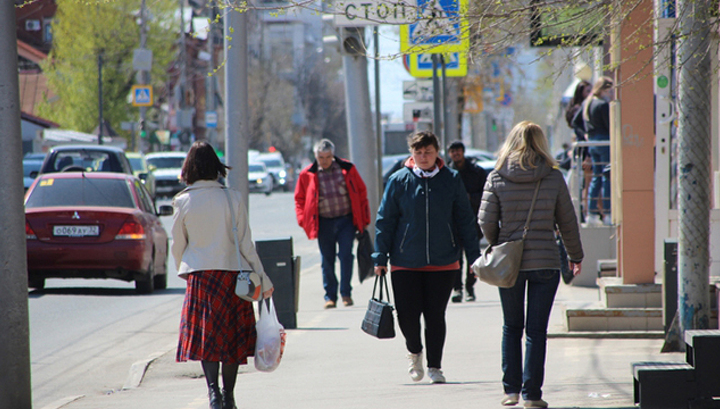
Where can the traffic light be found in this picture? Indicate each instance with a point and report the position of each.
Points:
(143, 129)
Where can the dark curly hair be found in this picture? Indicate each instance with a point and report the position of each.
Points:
(202, 163)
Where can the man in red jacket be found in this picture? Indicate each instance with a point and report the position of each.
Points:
(331, 205)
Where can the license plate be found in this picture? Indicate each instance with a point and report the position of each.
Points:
(76, 231)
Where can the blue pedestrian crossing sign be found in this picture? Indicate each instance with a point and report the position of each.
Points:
(440, 28)
(142, 95)
(420, 65)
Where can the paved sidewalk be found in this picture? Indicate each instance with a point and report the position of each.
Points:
(330, 363)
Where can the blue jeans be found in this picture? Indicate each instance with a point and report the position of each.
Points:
(338, 230)
(600, 183)
(541, 288)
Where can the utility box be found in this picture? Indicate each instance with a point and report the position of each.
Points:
(283, 268)
(670, 282)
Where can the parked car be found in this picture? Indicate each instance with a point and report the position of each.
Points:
(275, 164)
(167, 172)
(259, 179)
(95, 225)
(86, 158)
(31, 167)
(143, 171)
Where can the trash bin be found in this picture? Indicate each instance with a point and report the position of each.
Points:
(283, 269)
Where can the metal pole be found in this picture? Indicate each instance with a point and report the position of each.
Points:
(210, 78)
(236, 100)
(141, 76)
(378, 113)
(694, 165)
(15, 389)
(361, 140)
(437, 100)
(100, 99)
(446, 123)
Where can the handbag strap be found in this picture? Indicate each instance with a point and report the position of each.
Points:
(532, 207)
(382, 279)
(235, 234)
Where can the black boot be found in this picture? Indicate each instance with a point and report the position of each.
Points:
(216, 398)
(228, 400)
(211, 370)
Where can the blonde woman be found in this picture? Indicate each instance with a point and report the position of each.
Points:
(596, 115)
(524, 160)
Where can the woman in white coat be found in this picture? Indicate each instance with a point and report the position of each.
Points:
(216, 325)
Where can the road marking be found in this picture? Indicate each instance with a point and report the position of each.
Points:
(63, 402)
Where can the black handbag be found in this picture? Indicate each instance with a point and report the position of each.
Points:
(364, 255)
(379, 321)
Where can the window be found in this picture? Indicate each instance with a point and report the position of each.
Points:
(47, 34)
(81, 191)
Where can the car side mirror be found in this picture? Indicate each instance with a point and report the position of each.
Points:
(165, 210)
(34, 174)
(143, 176)
(152, 168)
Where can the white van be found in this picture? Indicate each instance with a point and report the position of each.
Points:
(275, 164)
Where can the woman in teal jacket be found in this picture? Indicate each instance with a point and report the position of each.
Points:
(423, 211)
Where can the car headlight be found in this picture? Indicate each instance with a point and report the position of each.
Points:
(259, 181)
(282, 174)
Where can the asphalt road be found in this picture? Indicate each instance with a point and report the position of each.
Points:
(86, 334)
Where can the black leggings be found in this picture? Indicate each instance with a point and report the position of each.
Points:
(427, 294)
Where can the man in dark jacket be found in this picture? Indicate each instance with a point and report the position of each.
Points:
(331, 204)
(473, 177)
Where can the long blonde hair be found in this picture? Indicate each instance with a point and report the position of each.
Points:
(600, 85)
(525, 143)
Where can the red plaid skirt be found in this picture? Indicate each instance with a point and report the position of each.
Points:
(216, 325)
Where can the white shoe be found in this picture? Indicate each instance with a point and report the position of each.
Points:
(510, 399)
(593, 220)
(436, 375)
(607, 220)
(416, 367)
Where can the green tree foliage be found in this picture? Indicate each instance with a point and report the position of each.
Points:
(81, 32)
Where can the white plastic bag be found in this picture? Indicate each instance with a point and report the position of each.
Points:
(270, 343)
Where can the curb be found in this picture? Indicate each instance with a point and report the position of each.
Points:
(139, 368)
(63, 402)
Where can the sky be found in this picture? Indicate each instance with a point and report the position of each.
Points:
(392, 72)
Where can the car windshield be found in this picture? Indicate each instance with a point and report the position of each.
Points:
(166, 162)
(80, 192)
(30, 166)
(272, 163)
(88, 160)
(137, 164)
(255, 168)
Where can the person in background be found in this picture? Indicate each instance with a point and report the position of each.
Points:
(424, 216)
(575, 121)
(523, 162)
(331, 204)
(216, 325)
(473, 177)
(596, 114)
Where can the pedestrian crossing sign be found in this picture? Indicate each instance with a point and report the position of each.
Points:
(142, 95)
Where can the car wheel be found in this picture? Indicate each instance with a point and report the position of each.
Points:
(146, 285)
(36, 283)
(268, 193)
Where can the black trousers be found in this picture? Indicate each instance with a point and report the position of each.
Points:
(423, 294)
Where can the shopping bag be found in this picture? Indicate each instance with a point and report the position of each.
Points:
(270, 343)
(379, 321)
(364, 255)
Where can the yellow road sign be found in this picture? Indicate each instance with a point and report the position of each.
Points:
(440, 28)
(142, 95)
(420, 65)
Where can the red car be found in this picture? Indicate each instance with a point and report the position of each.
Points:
(95, 225)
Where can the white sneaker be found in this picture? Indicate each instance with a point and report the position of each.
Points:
(436, 375)
(416, 367)
(593, 220)
(607, 220)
